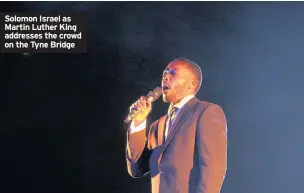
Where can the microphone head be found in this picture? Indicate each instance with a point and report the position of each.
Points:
(154, 95)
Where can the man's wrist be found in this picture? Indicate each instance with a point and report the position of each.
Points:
(137, 123)
(140, 127)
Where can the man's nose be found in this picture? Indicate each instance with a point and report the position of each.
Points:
(165, 78)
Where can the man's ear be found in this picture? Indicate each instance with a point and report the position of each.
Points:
(192, 84)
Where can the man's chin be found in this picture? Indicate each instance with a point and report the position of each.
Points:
(165, 99)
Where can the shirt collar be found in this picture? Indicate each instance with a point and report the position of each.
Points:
(180, 103)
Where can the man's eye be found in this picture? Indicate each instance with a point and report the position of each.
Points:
(172, 72)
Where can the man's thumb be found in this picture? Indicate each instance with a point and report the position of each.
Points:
(149, 104)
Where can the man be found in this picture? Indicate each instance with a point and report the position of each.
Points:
(184, 151)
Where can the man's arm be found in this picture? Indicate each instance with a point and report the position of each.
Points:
(211, 142)
(140, 127)
(137, 153)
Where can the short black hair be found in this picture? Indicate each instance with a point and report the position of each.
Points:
(196, 70)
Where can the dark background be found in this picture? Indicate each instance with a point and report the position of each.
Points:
(62, 114)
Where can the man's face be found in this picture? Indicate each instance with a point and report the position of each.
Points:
(175, 81)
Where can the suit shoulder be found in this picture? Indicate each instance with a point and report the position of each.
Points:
(204, 104)
(159, 119)
(155, 123)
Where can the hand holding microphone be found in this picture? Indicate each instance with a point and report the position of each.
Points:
(142, 107)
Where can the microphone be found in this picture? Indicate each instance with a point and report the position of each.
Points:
(151, 97)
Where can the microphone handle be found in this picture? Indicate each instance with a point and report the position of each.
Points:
(151, 97)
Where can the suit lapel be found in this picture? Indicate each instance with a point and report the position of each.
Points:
(182, 116)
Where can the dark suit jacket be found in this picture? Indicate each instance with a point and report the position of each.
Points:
(192, 159)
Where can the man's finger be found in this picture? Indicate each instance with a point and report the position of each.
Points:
(143, 102)
(138, 105)
(149, 105)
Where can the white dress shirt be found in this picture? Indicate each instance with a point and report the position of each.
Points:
(178, 105)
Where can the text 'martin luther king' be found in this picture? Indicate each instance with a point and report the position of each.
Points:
(39, 32)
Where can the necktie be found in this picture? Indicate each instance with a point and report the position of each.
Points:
(171, 118)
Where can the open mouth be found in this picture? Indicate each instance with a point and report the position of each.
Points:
(165, 88)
